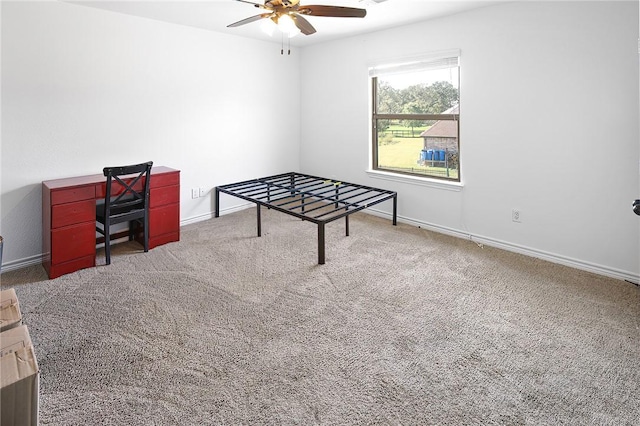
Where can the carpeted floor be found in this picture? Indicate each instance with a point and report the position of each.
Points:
(400, 326)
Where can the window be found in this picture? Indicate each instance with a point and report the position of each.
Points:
(415, 117)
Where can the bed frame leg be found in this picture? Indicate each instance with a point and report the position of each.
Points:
(259, 221)
(217, 200)
(321, 244)
(346, 222)
(395, 210)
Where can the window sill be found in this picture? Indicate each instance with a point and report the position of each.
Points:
(415, 180)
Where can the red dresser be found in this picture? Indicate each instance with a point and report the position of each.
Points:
(69, 218)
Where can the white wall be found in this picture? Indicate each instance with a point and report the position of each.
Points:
(547, 87)
(549, 125)
(84, 88)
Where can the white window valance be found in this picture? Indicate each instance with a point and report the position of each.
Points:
(432, 61)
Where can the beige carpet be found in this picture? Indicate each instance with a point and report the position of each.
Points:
(400, 326)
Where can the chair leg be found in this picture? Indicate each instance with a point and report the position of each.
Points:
(107, 243)
(146, 232)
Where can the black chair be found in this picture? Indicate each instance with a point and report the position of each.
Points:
(130, 205)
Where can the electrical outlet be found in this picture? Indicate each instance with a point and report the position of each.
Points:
(516, 215)
(203, 192)
(195, 193)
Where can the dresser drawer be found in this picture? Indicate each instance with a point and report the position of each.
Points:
(72, 242)
(117, 188)
(164, 239)
(73, 194)
(72, 213)
(163, 220)
(164, 195)
(164, 179)
(59, 269)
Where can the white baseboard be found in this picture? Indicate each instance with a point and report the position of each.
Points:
(39, 258)
(22, 263)
(528, 251)
(196, 219)
(211, 215)
(551, 257)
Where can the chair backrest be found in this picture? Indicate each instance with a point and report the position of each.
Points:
(132, 181)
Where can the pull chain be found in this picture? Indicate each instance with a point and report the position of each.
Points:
(282, 45)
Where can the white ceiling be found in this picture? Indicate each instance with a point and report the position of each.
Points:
(215, 15)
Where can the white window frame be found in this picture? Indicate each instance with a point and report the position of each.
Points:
(435, 60)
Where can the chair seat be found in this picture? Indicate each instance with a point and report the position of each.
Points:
(120, 213)
(130, 204)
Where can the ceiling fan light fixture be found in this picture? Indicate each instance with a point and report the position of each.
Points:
(287, 26)
(268, 27)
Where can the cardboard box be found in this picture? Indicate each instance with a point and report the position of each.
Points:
(10, 315)
(20, 378)
(13, 339)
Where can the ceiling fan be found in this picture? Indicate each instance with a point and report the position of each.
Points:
(294, 10)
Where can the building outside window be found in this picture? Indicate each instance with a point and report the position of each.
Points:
(416, 115)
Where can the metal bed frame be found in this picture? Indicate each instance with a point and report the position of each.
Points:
(310, 198)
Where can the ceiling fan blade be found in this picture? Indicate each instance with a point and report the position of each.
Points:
(303, 25)
(332, 11)
(248, 20)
